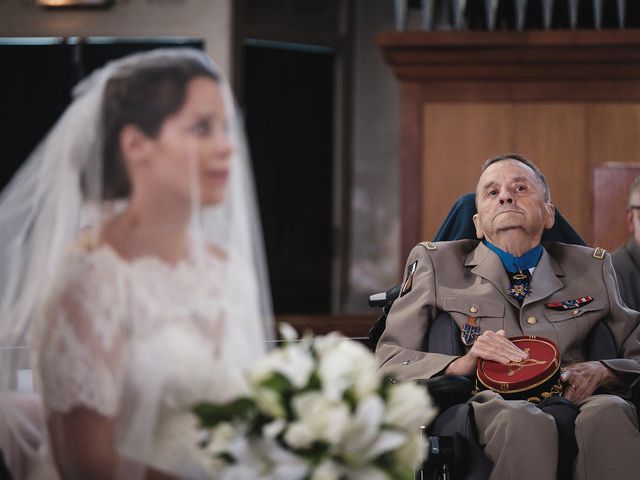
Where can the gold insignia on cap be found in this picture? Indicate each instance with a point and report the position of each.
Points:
(429, 245)
(599, 253)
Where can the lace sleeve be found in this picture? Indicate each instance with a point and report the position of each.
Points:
(80, 342)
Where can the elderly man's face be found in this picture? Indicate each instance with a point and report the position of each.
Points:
(510, 199)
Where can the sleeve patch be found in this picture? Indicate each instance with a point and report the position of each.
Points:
(408, 283)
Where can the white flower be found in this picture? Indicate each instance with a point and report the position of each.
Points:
(287, 332)
(363, 438)
(344, 364)
(269, 402)
(413, 452)
(273, 429)
(293, 361)
(328, 470)
(220, 438)
(368, 472)
(409, 406)
(347, 412)
(318, 419)
(264, 459)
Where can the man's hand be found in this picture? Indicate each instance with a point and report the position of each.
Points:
(582, 379)
(488, 346)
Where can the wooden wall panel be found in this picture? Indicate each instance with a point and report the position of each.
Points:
(457, 139)
(613, 137)
(552, 135)
(610, 193)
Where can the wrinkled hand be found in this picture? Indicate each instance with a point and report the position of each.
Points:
(582, 379)
(488, 346)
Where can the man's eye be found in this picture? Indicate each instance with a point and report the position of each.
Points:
(521, 188)
(492, 193)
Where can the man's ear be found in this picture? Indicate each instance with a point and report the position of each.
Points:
(551, 215)
(134, 145)
(630, 220)
(479, 231)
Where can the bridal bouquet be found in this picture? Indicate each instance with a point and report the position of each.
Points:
(317, 409)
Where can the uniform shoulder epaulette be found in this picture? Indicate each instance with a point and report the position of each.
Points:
(599, 253)
(429, 245)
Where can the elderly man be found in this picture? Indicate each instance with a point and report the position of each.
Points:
(626, 259)
(508, 284)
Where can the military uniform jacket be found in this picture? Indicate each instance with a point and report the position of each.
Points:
(465, 278)
(626, 262)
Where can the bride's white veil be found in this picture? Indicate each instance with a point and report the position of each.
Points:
(58, 192)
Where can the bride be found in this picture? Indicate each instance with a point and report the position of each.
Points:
(132, 275)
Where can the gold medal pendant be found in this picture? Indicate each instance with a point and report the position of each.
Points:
(520, 286)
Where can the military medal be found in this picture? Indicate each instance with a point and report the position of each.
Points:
(519, 286)
(470, 331)
(570, 304)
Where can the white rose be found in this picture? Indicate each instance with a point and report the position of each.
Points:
(366, 473)
(409, 406)
(293, 361)
(326, 343)
(220, 438)
(273, 429)
(368, 380)
(326, 420)
(363, 439)
(299, 435)
(287, 332)
(413, 452)
(344, 364)
(269, 402)
(328, 470)
(263, 458)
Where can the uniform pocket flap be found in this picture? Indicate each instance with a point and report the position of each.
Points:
(473, 307)
(559, 316)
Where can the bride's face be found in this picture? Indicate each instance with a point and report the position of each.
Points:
(196, 137)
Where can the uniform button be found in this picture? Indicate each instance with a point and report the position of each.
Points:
(392, 380)
(473, 309)
(532, 320)
(406, 362)
(576, 311)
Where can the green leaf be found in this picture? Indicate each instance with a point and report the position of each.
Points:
(350, 399)
(277, 382)
(314, 454)
(314, 382)
(390, 466)
(211, 414)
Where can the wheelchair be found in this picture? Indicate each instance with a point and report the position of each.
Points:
(454, 452)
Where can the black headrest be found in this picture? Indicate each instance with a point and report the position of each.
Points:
(458, 224)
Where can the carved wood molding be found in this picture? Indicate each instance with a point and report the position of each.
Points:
(512, 56)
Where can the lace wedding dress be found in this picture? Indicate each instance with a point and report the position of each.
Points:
(117, 335)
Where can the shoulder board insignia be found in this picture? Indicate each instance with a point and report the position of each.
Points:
(599, 253)
(429, 245)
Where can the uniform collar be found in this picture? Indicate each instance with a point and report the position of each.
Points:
(545, 281)
(512, 263)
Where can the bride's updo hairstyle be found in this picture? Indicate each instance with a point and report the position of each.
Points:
(144, 95)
